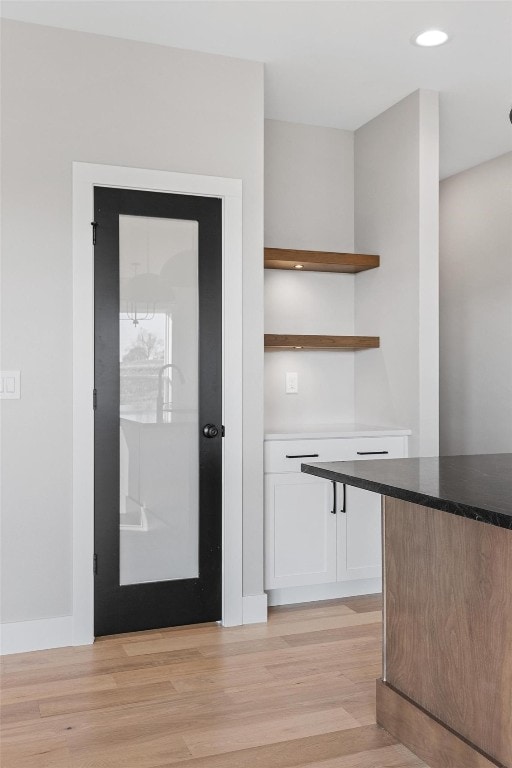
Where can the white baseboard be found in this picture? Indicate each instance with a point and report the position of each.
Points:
(254, 609)
(313, 592)
(42, 634)
(22, 636)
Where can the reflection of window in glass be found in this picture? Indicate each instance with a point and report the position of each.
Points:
(145, 348)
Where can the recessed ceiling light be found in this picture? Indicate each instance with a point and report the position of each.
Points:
(430, 38)
(299, 266)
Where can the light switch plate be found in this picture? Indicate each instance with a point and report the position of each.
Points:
(10, 385)
(292, 383)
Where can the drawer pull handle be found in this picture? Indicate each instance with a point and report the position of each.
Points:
(371, 453)
(302, 456)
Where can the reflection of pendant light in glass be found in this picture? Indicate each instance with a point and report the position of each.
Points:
(136, 308)
(144, 295)
(134, 315)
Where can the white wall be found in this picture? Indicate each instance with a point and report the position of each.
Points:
(396, 215)
(309, 204)
(476, 309)
(67, 97)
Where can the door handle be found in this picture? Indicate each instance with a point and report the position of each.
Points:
(210, 430)
(371, 453)
(343, 507)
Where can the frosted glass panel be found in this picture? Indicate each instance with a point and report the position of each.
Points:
(158, 343)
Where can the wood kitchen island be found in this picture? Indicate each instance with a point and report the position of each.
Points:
(446, 686)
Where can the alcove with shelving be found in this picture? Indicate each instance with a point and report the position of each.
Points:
(319, 261)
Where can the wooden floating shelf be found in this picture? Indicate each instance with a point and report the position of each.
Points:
(281, 342)
(319, 261)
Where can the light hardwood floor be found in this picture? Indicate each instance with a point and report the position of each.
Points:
(296, 692)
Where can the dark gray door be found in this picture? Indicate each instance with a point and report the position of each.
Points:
(158, 382)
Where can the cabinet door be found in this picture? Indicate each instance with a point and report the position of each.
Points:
(300, 531)
(359, 535)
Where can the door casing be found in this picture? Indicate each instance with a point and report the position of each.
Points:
(85, 177)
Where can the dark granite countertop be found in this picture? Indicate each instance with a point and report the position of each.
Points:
(476, 487)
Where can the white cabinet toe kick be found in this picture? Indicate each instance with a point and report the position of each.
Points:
(322, 539)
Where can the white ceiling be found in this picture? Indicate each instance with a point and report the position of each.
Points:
(335, 63)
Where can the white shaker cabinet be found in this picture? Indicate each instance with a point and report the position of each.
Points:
(359, 546)
(308, 540)
(300, 531)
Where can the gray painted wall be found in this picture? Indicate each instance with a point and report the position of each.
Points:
(309, 203)
(69, 96)
(476, 309)
(396, 215)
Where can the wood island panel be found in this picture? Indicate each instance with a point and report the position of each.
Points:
(448, 623)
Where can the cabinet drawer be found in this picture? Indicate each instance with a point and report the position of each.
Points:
(288, 455)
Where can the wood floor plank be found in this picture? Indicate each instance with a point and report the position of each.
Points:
(149, 752)
(118, 697)
(357, 603)
(242, 648)
(298, 753)
(387, 757)
(221, 679)
(288, 672)
(40, 691)
(20, 712)
(337, 633)
(255, 631)
(218, 740)
(364, 674)
(359, 702)
(146, 674)
(344, 655)
(321, 610)
(364, 603)
(26, 750)
(57, 657)
(117, 662)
